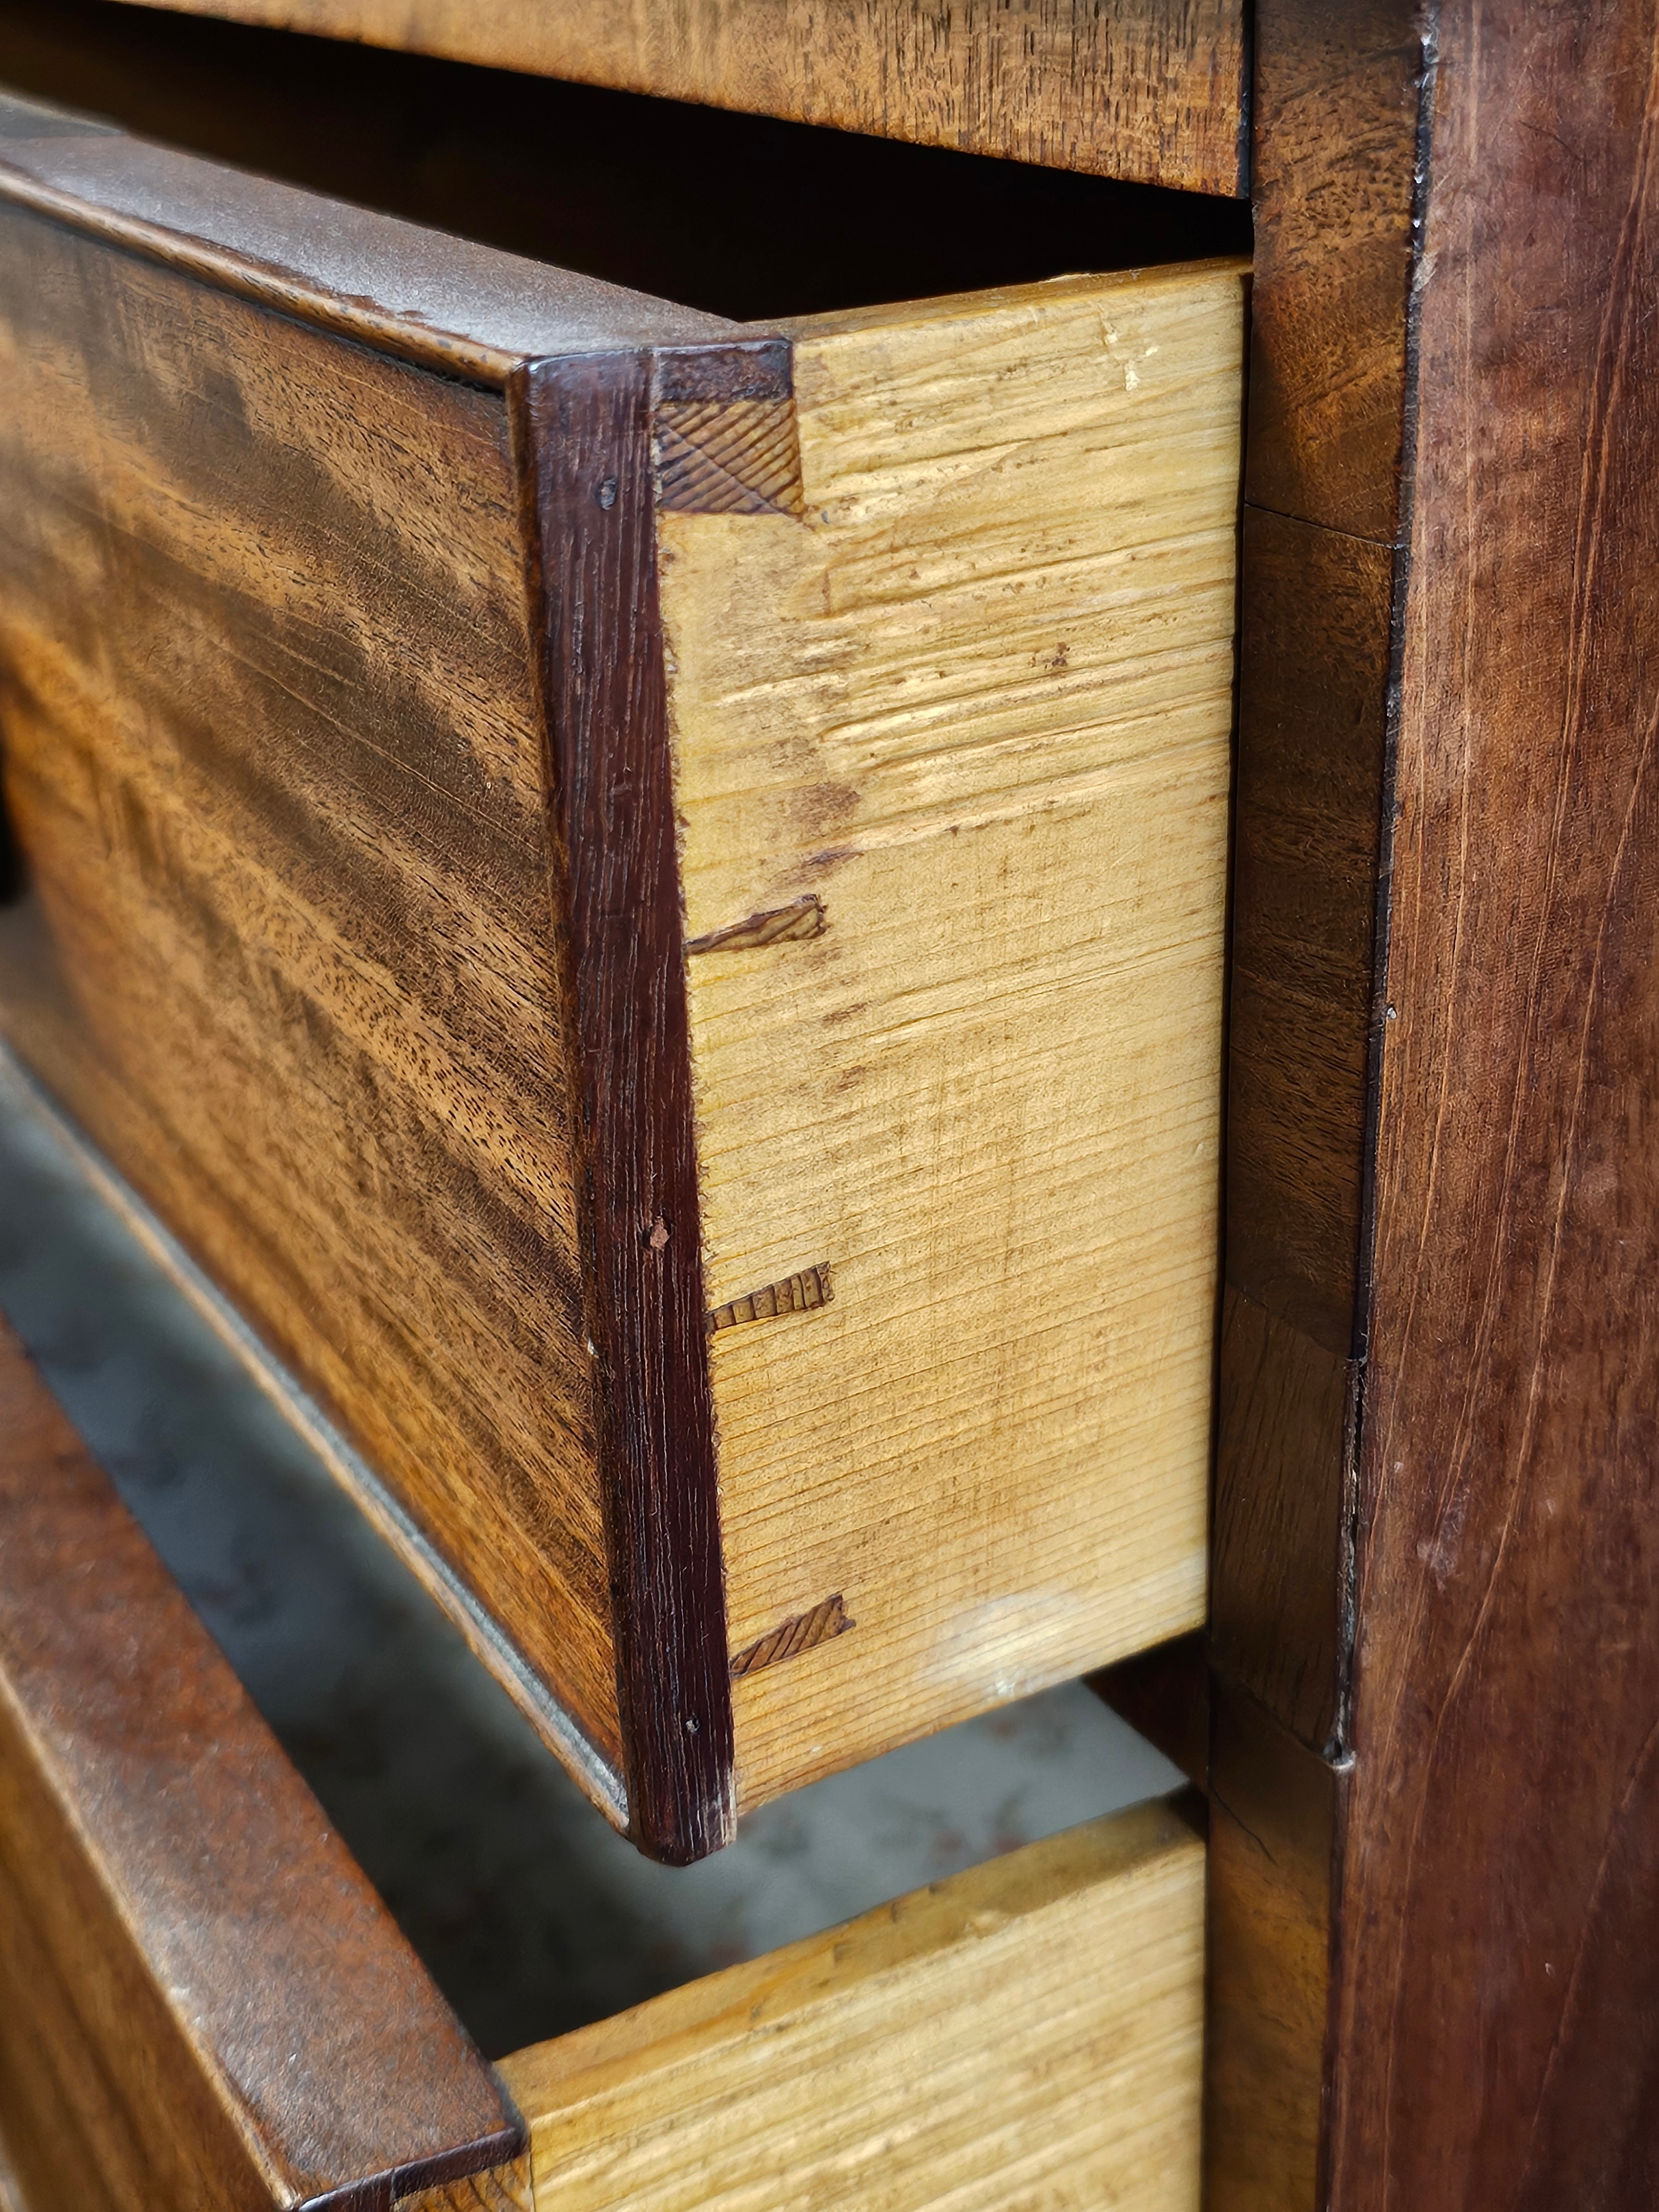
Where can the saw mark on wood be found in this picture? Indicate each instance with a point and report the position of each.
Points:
(828, 1618)
(794, 1294)
(803, 917)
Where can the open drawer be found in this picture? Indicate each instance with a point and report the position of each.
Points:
(646, 897)
(205, 2007)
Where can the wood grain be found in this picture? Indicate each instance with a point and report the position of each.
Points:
(501, 2189)
(1026, 2032)
(588, 428)
(976, 701)
(1314, 690)
(202, 2001)
(1285, 1482)
(1164, 1694)
(1342, 98)
(292, 956)
(1504, 1854)
(1150, 89)
(416, 294)
(1273, 1938)
(523, 874)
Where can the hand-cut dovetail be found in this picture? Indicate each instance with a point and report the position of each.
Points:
(789, 1638)
(795, 1294)
(802, 918)
(726, 437)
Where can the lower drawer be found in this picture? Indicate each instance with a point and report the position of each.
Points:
(205, 2007)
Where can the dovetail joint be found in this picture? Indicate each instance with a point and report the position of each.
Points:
(780, 925)
(795, 1294)
(791, 1637)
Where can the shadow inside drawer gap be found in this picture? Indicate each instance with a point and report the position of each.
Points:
(741, 215)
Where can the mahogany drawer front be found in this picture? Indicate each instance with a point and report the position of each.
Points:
(646, 898)
(204, 2005)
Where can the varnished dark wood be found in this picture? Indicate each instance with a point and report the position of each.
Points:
(1283, 1507)
(1341, 102)
(1165, 1694)
(223, 530)
(744, 215)
(1150, 88)
(1314, 679)
(585, 429)
(1277, 1820)
(1340, 99)
(1497, 2045)
(1434, 1504)
(202, 2001)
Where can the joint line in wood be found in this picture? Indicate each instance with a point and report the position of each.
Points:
(791, 1637)
(798, 1293)
(780, 925)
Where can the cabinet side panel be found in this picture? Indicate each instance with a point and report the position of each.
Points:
(953, 762)
(272, 759)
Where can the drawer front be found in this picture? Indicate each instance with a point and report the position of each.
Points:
(202, 2004)
(647, 900)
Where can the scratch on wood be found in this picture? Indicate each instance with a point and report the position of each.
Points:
(828, 1618)
(795, 1294)
(803, 917)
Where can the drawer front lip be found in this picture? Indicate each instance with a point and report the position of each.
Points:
(584, 428)
(173, 1874)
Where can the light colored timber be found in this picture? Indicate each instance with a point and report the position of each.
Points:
(977, 702)
(1025, 2034)
(1144, 88)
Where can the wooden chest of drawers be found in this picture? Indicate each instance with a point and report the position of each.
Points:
(1425, 1681)
(648, 900)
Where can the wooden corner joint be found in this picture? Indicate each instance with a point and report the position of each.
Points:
(799, 1293)
(506, 2188)
(803, 1631)
(724, 434)
(778, 924)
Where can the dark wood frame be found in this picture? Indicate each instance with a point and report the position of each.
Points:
(1435, 1834)
(206, 2002)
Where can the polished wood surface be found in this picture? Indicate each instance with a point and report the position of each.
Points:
(1431, 1540)
(1024, 2033)
(741, 215)
(1144, 88)
(1498, 2042)
(589, 425)
(602, 1009)
(202, 2001)
(290, 958)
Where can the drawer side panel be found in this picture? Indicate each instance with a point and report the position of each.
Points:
(953, 760)
(1027, 2033)
(272, 754)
